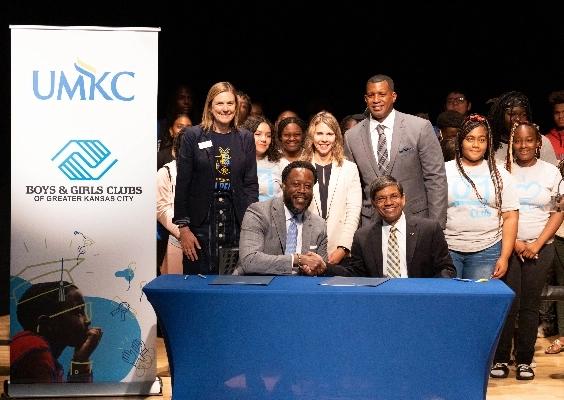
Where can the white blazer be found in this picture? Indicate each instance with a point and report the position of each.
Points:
(344, 202)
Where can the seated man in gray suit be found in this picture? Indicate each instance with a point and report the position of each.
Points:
(280, 236)
(398, 245)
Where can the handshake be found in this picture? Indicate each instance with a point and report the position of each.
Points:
(311, 264)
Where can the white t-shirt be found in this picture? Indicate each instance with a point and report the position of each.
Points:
(269, 179)
(472, 225)
(535, 186)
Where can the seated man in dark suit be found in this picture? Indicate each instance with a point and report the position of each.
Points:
(280, 236)
(399, 245)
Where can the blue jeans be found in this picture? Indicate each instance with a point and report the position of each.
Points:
(477, 264)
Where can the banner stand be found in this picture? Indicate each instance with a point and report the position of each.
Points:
(38, 390)
(83, 190)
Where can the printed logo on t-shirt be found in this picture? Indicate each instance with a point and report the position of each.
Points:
(223, 169)
(265, 179)
(465, 196)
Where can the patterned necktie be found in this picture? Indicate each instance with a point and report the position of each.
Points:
(292, 236)
(394, 270)
(382, 150)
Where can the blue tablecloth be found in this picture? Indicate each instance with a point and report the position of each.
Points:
(295, 339)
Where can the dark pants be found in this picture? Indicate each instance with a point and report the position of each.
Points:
(527, 280)
(559, 272)
(220, 229)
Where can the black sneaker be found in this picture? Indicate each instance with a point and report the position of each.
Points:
(525, 372)
(499, 370)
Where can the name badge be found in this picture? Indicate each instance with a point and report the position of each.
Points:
(205, 145)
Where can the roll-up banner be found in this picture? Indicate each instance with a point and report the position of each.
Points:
(83, 211)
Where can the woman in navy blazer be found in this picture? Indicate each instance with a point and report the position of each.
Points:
(216, 182)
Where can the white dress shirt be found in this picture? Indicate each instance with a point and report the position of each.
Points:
(388, 125)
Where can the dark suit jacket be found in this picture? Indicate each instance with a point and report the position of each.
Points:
(426, 250)
(416, 161)
(195, 178)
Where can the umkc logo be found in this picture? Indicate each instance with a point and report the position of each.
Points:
(81, 159)
(104, 84)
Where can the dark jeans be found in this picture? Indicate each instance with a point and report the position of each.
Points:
(527, 280)
(547, 309)
(559, 272)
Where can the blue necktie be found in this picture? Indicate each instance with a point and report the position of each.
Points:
(292, 236)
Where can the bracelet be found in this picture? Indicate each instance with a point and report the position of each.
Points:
(79, 368)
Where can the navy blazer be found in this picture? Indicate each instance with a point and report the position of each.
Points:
(195, 179)
(427, 254)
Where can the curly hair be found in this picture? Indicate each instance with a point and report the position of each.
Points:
(556, 98)
(252, 123)
(449, 119)
(338, 151)
(496, 115)
(471, 122)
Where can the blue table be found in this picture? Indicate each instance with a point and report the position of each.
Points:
(295, 339)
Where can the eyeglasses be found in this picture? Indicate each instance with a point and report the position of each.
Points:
(393, 197)
(456, 100)
(86, 308)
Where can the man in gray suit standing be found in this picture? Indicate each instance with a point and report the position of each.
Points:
(280, 236)
(389, 142)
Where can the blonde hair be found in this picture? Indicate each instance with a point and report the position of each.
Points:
(207, 116)
(338, 152)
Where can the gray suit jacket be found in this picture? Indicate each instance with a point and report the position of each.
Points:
(263, 239)
(416, 161)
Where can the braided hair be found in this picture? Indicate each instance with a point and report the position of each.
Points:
(509, 160)
(471, 122)
(496, 115)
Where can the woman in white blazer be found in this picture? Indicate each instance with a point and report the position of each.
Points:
(337, 195)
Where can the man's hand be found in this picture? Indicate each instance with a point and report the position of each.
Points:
(313, 264)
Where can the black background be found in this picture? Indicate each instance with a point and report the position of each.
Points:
(285, 54)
